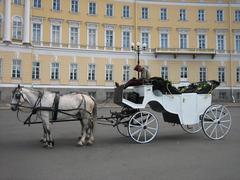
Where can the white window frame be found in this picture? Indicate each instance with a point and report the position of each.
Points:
(17, 2)
(198, 44)
(1, 69)
(55, 7)
(148, 45)
(235, 42)
(130, 37)
(220, 15)
(202, 73)
(221, 74)
(184, 73)
(73, 71)
(224, 41)
(109, 10)
(17, 29)
(126, 11)
(160, 39)
(163, 14)
(41, 31)
(36, 68)
(91, 72)
(126, 76)
(182, 14)
(109, 28)
(74, 25)
(60, 34)
(53, 70)
(72, 6)
(90, 11)
(201, 15)
(38, 4)
(16, 67)
(145, 13)
(109, 72)
(180, 34)
(164, 72)
(237, 15)
(95, 27)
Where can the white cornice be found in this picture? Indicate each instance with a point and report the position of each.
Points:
(203, 4)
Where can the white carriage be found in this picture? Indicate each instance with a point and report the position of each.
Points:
(191, 110)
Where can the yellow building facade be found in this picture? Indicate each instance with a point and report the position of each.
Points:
(86, 45)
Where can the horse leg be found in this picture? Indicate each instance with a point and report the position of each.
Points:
(79, 138)
(43, 139)
(90, 132)
(46, 126)
(82, 141)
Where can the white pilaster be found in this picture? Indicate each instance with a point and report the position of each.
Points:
(7, 22)
(26, 35)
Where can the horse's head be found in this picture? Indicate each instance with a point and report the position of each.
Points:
(17, 98)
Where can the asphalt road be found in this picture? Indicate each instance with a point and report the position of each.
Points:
(173, 154)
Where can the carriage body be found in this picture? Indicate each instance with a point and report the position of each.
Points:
(188, 107)
(192, 111)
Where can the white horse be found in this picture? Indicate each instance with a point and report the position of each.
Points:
(73, 105)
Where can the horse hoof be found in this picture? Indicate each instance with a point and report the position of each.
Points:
(42, 141)
(89, 143)
(80, 143)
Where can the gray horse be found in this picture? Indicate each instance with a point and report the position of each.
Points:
(73, 105)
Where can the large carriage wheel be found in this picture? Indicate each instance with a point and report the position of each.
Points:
(192, 129)
(216, 121)
(143, 127)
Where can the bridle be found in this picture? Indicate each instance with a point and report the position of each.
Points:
(17, 95)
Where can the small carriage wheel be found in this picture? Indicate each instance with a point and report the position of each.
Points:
(192, 129)
(216, 121)
(123, 127)
(143, 127)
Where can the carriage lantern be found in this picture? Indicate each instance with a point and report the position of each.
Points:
(138, 48)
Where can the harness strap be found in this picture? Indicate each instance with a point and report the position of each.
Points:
(55, 106)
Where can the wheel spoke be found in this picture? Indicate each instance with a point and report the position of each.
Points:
(209, 126)
(132, 125)
(210, 117)
(136, 131)
(213, 130)
(145, 136)
(227, 120)
(149, 122)
(223, 116)
(152, 128)
(137, 121)
(224, 126)
(149, 132)
(139, 135)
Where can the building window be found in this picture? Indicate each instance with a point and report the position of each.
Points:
(164, 72)
(1, 25)
(56, 35)
(164, 40)
(144, 13)
(184, 73)
(237, 42)
(92, 38)
(109, 10)
(220, 42)
(92, 72)
(126, 73)
(237, 15)
(145, 39)
(202, 74)
(109, 38)
(74, 37)
(109, 72)
(163, 14)
(238, 74)
(73, 71)
(55, 71)
(126, 39)
(201, 15)
(220, 15)
(126, 11)
(92, 94)
(37, 4)
(221, 74)
(17, 28)
(17, 2)
(16, 68)
(201, 41)
(35, 70)
(56, 5)
(74, 6)
(183, 15)
(183, 41)
(92, 8)
(36, 33)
